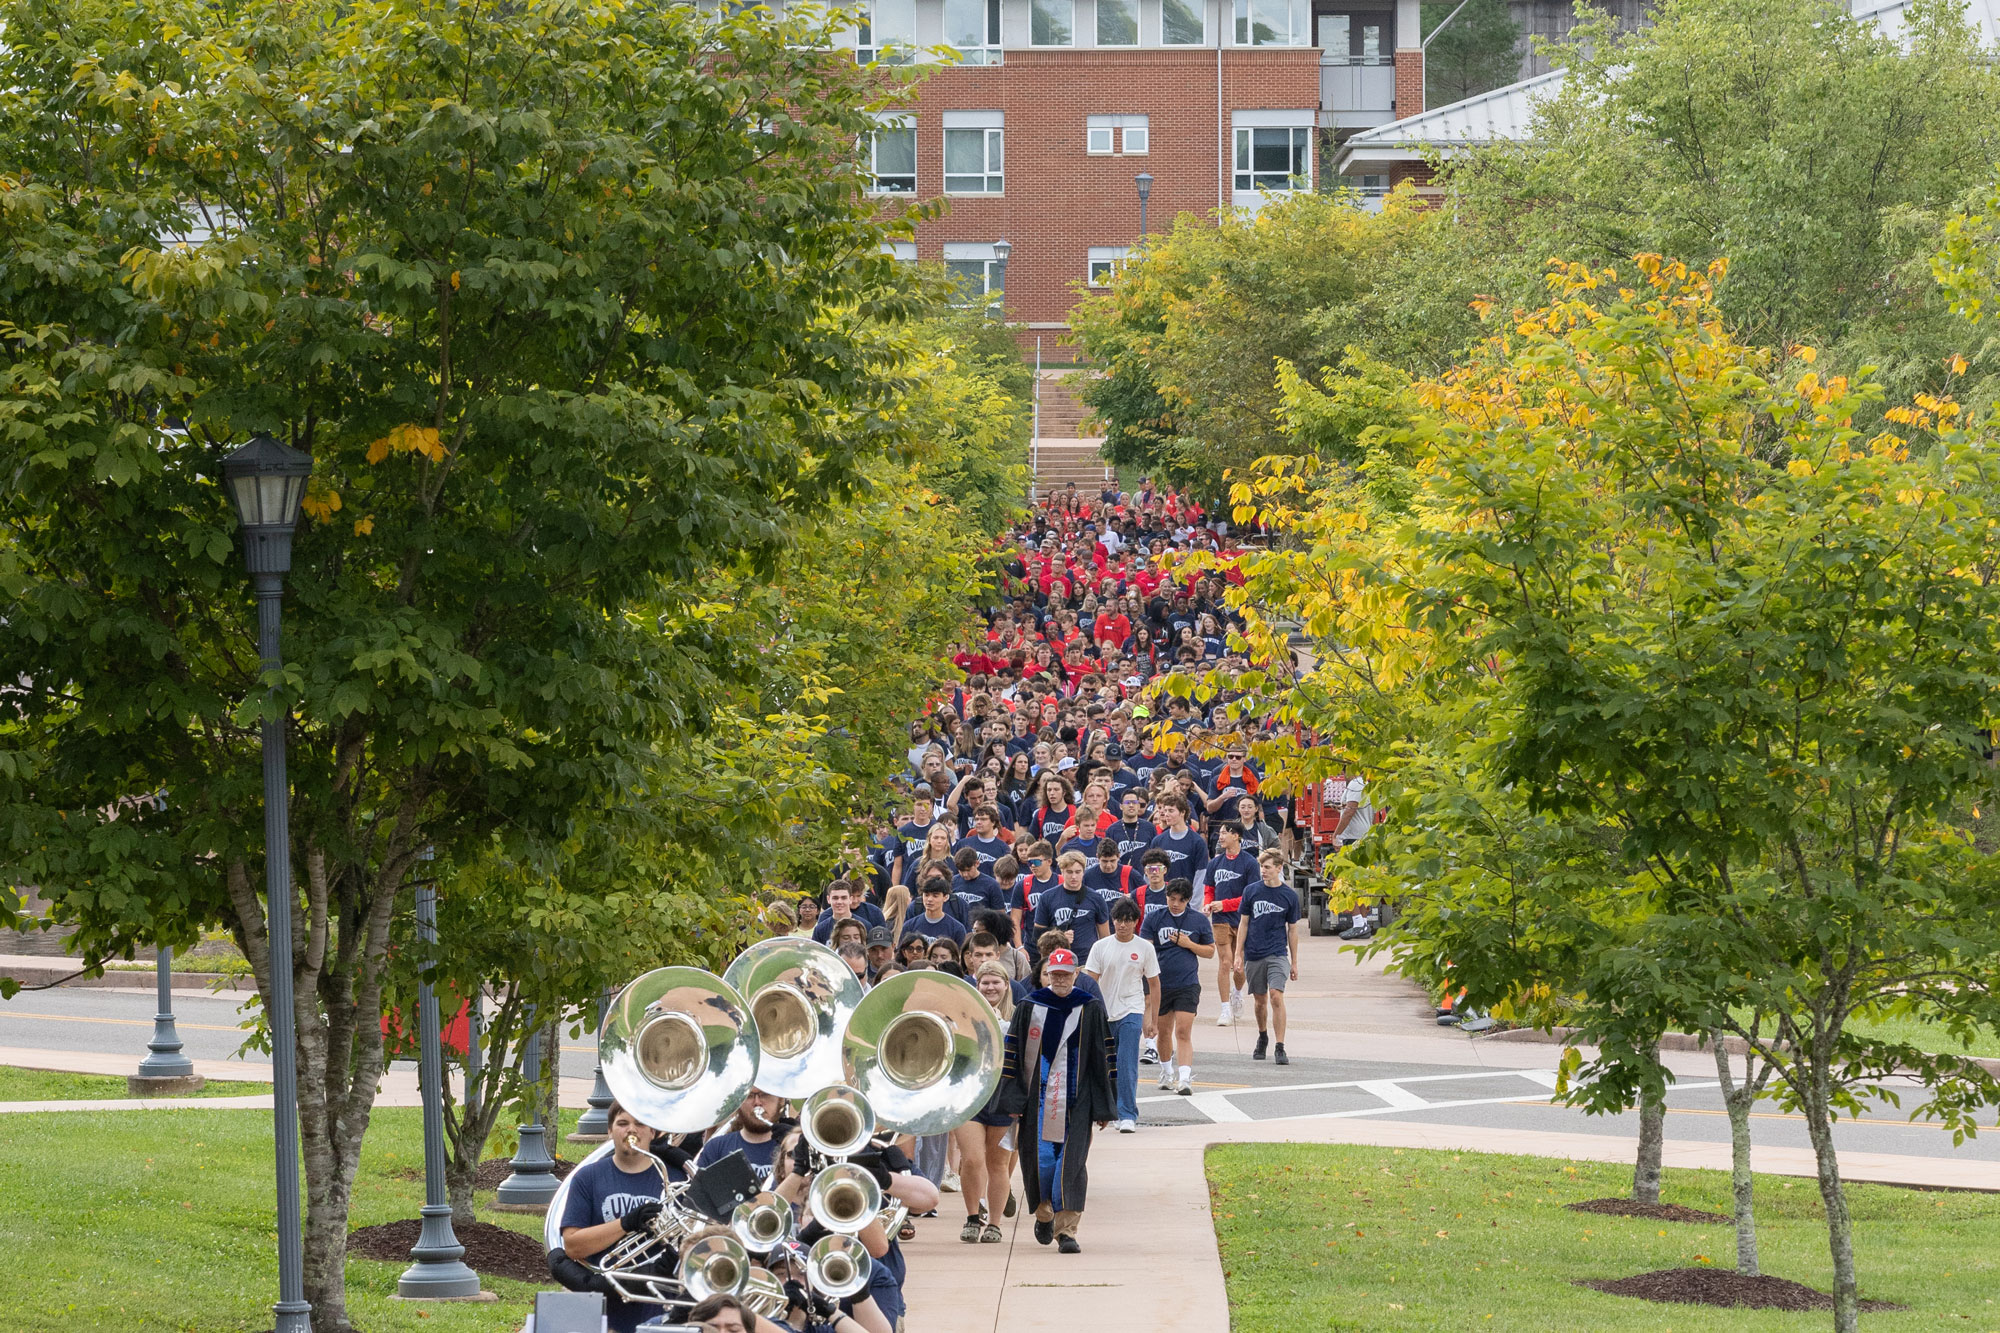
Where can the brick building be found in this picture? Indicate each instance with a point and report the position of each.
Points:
(1038, 133)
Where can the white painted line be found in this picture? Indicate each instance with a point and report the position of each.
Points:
(1398, 1097)
(1441, 1106)
(1356, 1083)
(1545, 1077)
(1218, 1108)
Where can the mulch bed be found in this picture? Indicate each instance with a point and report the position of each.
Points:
(1722, 1286)
(490, 1251)
(1652, 1212)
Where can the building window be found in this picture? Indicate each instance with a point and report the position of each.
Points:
(1105, 262)
(1355, 39)
(885, 31)
(1116, 134)
(974, 151)
(1264, 23)
(1183, 23)
(1052, 23)
(906, 251)
(980, 275)
(892, 158)
(973, 27)
(1117, 22)
(1369, 185)
(1273, 159)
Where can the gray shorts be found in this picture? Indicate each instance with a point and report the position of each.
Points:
(1268, 974)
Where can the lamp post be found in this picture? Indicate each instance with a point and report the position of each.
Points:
(439, 1271)
(532, 1183)
(267, 480)
(1144, 180)
(1002, 250)
(166, 1069)
(594, 1125)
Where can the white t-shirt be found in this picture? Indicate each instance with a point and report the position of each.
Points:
(1338, 793)
(1122, 969)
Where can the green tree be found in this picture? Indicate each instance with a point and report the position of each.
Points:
(1479, 52)
(1817, 154)
(1189, 338)
(570, 306)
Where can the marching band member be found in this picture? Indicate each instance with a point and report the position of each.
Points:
(609, 1199)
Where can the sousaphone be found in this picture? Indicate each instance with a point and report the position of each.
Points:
(924, 1050)
(679, 1049)
(801, 996)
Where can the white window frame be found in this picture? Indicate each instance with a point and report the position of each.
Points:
(872, 45)
(1105, 260)
(993, 129)
(905, 251)
(987, 51)
(1097, 25)
(1034, 5)
(1200, 8)
(1127, 135)
(1298, 124)
(993, 269)
(901, 124)
(1297, 12)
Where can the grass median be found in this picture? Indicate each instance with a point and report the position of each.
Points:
(163, 1222)
(44, 1085)
(1334, 1237)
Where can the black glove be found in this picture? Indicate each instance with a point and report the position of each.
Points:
(797, 1297)
(601, 1284)
(641, 1218)
(801, 1157)
(897, 1160)
(871, 1161)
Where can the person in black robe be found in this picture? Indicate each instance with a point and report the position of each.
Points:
(1061, 1068)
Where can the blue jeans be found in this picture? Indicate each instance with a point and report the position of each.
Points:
(1127, 1031)
(1048, 1163)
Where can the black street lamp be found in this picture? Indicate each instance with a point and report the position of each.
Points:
(267, 481)
(594, 1125)
(1144, 180)
(439, 1271)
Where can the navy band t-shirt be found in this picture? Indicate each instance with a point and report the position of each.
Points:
(1189, 853)
(1080, 913)
(1267, 910)
(944, 928)
(867, 913)
(759, 1155)
(1179, 968)
(1231, 877)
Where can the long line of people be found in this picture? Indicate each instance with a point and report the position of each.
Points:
(1073, 850)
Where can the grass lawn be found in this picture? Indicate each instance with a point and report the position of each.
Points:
(163, 1220)
(42, 1085)
(1356, 1238)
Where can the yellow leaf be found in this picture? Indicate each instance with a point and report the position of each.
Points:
(454, 279)
(1957, 364)
(1806, 354)
(364, 526)
(378, 450)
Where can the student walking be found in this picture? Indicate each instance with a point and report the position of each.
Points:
(1058, 1078)
(1269, 953)
(1180, 935)
(1126, 970)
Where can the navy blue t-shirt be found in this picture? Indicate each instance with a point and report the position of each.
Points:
(1179, 969)
(1267, 910)
(759, 1155)
(946, 927)
(867, 913)
(1231, 877)
(1080, 913)
(988, 850)
(1133, 840)
(1028, 892)
(914, 835)
(1122, 881)
(599, 1192)
(973, 896)
(1189, 854)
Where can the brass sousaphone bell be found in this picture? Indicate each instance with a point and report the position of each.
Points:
(801, 997)
(679, 1049)
(924, 1050)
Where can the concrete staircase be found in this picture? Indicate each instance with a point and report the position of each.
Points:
(1062, 452)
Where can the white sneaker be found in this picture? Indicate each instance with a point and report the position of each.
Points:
(1226, 1017)
(1128, 1127)
(1186, 1085)
(950, 1182)
(1150, 1055)
(1236, 1004)
(1166, 1078)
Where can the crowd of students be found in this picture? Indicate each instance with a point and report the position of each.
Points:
(1074, 850)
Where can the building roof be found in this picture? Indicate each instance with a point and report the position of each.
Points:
(1505, 114)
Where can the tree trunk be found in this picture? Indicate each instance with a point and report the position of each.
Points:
(546, 1095)
(1737, 1098)
(1652, 1140)
(1839, 1224)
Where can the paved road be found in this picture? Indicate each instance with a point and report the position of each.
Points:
(1230, 1087)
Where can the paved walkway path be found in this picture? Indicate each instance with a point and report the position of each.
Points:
(1148, 1192)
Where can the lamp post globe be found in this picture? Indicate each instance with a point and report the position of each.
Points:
(1144, 180)
(266, 481)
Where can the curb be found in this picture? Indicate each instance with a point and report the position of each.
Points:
(1672, 1041)
(147, 980)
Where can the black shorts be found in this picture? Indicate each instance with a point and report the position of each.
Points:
(1180, 1000)
(993, 1119)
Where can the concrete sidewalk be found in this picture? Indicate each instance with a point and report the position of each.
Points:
(1149, 1193)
